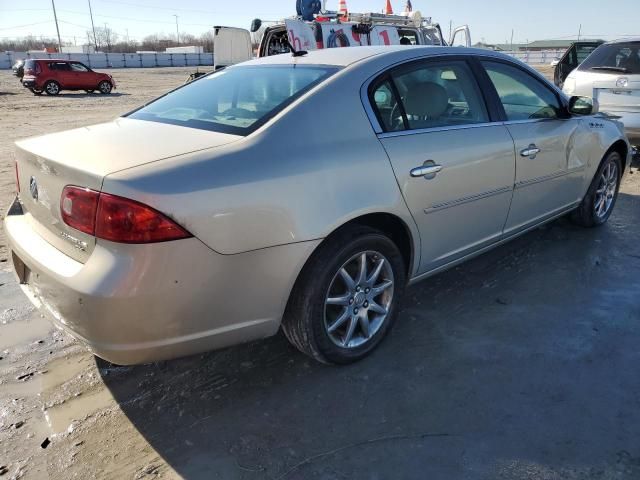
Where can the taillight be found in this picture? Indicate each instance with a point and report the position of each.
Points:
(115, 218)
(17, 178)
(78, 207)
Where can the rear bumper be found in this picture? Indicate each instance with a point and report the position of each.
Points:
(139, 303)
(631, 121)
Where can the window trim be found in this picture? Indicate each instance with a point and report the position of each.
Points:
(495, 97)
(387, 75)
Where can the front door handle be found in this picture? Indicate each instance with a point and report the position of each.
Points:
(425, 170)
(531, 151)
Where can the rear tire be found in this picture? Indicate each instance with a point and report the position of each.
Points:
(338, 314)
(105, 87)
(597, 205)
(52, 88)
(89, 91)
(35, 91)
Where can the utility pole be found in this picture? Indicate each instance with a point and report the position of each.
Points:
(579, 32)
(512, 39)
(95, 40)
(450, 28)
(55, 17)
(177, 31)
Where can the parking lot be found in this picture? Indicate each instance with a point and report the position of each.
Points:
(519, 364)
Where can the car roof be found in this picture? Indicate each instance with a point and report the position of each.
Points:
(343, 57)
(624, 40)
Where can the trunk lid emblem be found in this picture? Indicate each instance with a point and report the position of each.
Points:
(33, 188)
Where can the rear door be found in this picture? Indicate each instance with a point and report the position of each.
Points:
(231, 45)
(549, 173)
(61, 73)
(454, 165)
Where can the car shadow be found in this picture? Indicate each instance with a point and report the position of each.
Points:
(86, 95)
(491, 368)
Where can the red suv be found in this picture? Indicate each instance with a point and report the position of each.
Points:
(51, 76)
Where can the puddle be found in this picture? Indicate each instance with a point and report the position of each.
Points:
(62, 370)
(30, 388)
(60, 417)
(22, 332)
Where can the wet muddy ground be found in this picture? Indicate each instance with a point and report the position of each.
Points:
(522, 363)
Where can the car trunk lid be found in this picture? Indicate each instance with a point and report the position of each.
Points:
(83, 157)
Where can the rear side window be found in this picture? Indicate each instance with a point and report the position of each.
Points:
(614, 58)
(522, 95)
(431, 95)
(236, 100)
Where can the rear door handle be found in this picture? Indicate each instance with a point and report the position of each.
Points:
(425, 170)
(531, 151)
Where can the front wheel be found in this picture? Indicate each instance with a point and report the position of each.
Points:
(105, 87)
(347, 296)
(597, 205)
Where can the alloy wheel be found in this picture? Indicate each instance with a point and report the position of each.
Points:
(52, 88)
(606, 192)
(359, 299)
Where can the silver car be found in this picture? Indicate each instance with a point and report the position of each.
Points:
(301, 193)
(611, 74)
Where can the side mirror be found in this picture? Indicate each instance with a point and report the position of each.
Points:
(583, 106)
(255, 25)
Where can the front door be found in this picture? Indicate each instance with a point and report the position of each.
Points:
(549, 172)
(574, 56)
(82, 76)
(455, 168)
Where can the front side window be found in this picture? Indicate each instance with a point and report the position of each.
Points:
(522, 95)
(236, 100)
(78, 67)
(431, 95)
(614, 58)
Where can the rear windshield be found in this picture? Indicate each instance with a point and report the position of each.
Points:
(614, 58)
(237, 100)
(29, 64)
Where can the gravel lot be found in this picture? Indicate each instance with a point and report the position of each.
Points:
(521, 364)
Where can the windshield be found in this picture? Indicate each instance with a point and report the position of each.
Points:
(614, 58)
(237, 100)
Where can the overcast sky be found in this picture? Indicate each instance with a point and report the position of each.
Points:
(490, 20)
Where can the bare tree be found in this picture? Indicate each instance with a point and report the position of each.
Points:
(106, 37)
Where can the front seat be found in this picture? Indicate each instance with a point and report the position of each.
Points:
(425, 103)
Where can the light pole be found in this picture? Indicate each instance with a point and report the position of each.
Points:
(177, 31)
(95, 40)
(55, 17)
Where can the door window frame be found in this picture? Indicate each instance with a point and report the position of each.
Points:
(495, 115)
(487, 86)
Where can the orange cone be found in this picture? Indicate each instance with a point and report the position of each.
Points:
(342, 10)
(388, 10)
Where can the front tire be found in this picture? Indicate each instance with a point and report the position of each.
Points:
(597, 205)
(105, 87)
(52, 88)
(347, 296)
